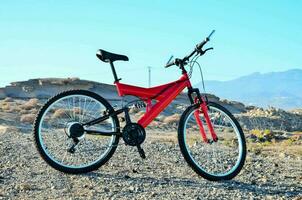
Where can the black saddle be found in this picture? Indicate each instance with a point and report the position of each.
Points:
(106, 56)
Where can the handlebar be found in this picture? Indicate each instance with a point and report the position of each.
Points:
(197, 49)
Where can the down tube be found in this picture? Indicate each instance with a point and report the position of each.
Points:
(170, 95)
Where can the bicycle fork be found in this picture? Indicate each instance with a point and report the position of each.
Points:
(204, 109)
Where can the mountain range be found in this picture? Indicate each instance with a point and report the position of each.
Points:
(277, 89)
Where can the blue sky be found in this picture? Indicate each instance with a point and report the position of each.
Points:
(60, 38)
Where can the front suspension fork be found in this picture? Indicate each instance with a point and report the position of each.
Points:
(204, 109)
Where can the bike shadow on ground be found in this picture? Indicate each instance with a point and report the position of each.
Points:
(259, 189)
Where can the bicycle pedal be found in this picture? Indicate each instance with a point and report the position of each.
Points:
(141, 152)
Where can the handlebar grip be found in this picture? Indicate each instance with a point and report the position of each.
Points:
(200, 45)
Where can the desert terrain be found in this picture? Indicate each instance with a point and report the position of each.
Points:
(272, 169)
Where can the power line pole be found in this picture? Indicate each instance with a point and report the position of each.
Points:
(149, 73)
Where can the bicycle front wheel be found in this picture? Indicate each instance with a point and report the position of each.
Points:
(61, 139)
(220, 160)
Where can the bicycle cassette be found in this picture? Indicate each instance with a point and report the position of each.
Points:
(133, 134)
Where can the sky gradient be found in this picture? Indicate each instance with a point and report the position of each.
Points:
(60, 38)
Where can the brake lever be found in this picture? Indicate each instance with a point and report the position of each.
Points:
(208, 49)
(201, 52)
(171, 57)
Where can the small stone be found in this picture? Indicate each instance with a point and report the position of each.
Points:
(127, 177)
(282, 155)
(264, 179)
(25, 186)
(257, 151)
(270, 197)
(135, 160)
(153, 194)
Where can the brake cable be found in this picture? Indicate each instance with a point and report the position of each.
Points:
(191, 64)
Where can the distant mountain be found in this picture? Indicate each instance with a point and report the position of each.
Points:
(277, 89)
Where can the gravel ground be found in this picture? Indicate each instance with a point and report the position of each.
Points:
(163, 175)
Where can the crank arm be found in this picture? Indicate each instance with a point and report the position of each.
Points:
(141, 152)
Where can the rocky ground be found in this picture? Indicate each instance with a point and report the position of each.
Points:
(267, 174)
(272, 170)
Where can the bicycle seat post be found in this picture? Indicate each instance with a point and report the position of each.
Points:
(114, 72)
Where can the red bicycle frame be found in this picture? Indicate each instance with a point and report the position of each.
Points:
(164, 95)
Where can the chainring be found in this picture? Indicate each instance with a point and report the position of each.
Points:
(134, 134)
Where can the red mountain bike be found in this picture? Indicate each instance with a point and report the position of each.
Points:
(78, 131)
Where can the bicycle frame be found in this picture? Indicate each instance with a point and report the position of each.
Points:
(163, 94)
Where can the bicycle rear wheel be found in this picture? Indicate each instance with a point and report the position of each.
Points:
(220, 160)
(60, 138)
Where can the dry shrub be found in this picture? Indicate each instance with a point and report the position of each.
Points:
(34, 111)
(77, 110)
(24, 112)
(8, 99)
(133, 110)
(139, 114)
(27, 118)
(154, 123)
(160, 118)
(59, 113)
(14, 109)
(32, 103)
(262, 135)
(5, 106)
(10, 107)
(172, 119)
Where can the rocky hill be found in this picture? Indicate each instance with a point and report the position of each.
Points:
(46, 88)
(251, 117)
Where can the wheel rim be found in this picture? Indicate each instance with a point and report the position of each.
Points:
(55, 141)
(219, 158)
